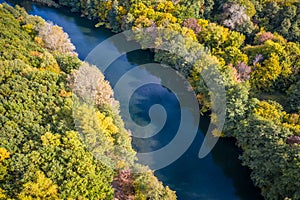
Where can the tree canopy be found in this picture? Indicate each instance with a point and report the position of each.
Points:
(254, 45)
(43, 152)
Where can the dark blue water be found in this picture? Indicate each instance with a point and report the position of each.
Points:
(217, 176)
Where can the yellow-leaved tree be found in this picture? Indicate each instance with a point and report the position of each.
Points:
(40, 187)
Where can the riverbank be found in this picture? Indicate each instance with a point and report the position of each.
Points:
(233, 186)
(265, 64)
(44, 122)
(269, 134)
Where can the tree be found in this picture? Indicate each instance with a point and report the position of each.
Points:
(264, 75)
(3, 169)
(274, 166)
(236, 106)
(293, 96)
(88, 83)
(243, 71)
(192, 23)
(113, 17)
(67, 63)
(39, 188)
(261, 37)
(3, 154)
(148, 187)
(55, 39)
(236, 18)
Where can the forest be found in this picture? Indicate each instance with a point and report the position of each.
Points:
(254, 44)
(42, 155)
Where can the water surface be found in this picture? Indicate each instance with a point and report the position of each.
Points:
(217, 176)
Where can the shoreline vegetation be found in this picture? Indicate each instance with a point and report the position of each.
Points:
(42, 155)
(254, 44)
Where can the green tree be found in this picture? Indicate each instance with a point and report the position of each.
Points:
(293, 96)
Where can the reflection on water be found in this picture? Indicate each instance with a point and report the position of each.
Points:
(217, 176)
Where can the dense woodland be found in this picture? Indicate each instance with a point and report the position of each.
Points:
(254, 44)
(42, 155)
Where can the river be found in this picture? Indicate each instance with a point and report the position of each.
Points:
(217, 176)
